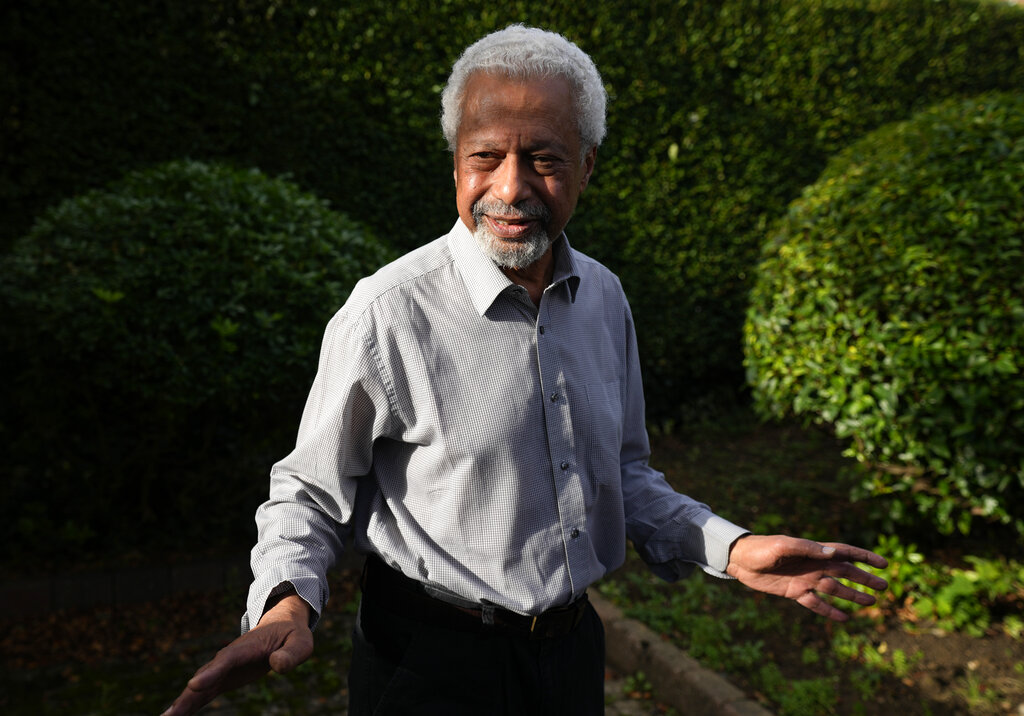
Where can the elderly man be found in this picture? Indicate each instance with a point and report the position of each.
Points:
(476, 427)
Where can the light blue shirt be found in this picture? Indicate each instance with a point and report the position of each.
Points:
(478, 443)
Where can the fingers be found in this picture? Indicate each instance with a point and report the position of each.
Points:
(189, 702)
(842, 558)
(847, 571)
(849, 553)
(839, 590)
(241, 659)
(819, 606)
(828, 586)
(833, 588)
(783, 548)
(227, 669)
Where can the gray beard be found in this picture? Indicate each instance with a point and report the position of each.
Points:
(513, 255)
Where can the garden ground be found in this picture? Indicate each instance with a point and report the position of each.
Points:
(773, 478)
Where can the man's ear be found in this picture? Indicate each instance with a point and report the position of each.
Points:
(588, 167)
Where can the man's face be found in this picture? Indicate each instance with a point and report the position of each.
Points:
(518, 172)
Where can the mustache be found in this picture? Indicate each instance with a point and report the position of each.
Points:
(522, 210)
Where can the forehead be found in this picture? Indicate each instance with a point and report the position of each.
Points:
(496, 105)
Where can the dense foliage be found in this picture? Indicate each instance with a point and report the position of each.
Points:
(721, 112)
(890, 304)
(158, 327)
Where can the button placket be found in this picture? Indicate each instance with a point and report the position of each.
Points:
(559, 420)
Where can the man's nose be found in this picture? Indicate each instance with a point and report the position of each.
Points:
(511, 183)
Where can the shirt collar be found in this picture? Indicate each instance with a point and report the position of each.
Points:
(485, 281)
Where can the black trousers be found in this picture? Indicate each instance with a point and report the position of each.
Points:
(402, 666)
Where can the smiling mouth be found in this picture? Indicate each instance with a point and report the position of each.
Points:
(511, 223)
(510, 229)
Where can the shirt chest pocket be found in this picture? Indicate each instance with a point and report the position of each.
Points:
(602, 438)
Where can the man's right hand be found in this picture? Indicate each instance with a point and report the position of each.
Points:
(281, 641)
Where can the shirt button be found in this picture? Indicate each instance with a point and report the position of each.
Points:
(541, 329)
(554, 397)
(575, 533)
(564, 465)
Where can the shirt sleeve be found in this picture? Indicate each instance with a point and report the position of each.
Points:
(673, 533)
(303, 524)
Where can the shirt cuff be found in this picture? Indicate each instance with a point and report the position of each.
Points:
(708, 545)
(308, 589)
(719, 536)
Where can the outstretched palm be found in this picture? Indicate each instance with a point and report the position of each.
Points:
(804, 571)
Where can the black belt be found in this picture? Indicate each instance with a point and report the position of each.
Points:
(390, 589)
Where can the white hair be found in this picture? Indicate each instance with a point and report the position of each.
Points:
(520, 52)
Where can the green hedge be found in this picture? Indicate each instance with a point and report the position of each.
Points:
(721, 112)
(158, 332)
(890, 306)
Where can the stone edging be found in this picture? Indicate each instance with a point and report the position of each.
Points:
(678, 680)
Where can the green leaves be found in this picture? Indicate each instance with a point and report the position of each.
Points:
(201, 257)
(107, 295)
(720, 113)
(954, 599)
(888, 304)
(172, 317)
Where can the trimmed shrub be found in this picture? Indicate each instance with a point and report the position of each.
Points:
(890, 305)
(164, 325)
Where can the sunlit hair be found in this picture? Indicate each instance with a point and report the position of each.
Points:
(520, 52)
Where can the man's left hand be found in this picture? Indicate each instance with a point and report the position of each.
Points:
(805, 571)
